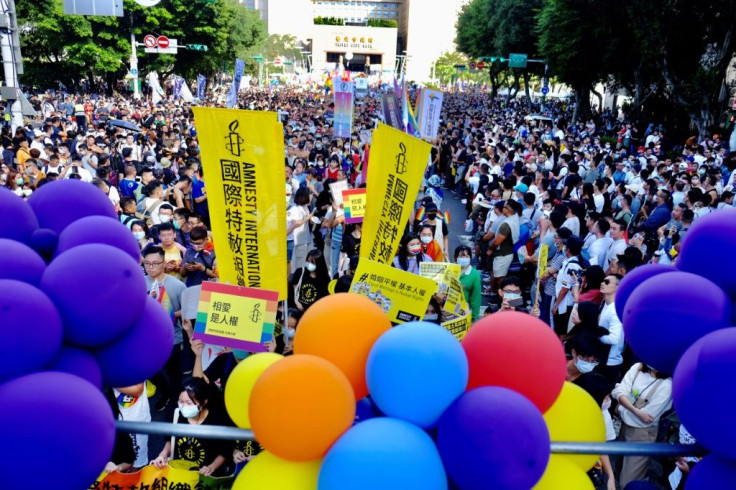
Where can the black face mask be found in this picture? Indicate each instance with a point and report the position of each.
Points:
(431, 216)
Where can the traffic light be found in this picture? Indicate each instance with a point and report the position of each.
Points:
(493, 59)
(197, 47)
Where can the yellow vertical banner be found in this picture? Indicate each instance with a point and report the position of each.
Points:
(243, 161)
(396, 166)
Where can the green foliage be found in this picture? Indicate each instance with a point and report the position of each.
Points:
(65, 48)
(328, 21)
(446, 73)
(382, 23)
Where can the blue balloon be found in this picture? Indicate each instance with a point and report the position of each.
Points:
(99, 291)
(712, 236)
(712, 472)
(633, 279)
(60, 203)
(18, 221)
(668, 312)
(383, 453)
(141, 352)
(704, 378)
(415, 371)
(20, 262)
(78, 362)
(99, 229)
(493, 437)
(59, 419)
(31, 329)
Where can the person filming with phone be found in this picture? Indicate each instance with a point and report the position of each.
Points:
(511, 295)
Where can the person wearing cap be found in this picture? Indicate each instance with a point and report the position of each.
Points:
(38, 144)
(563, 299)
(521, 189)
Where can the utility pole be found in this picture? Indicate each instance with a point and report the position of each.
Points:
(12, 60)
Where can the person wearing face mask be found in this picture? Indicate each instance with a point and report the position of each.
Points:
(429, 244)
(139, 229)
(309, 283)
(434, 312)
(585, 350)
(410, 254)
(470, 280)
(196, 407)
(644, 394)
(440, 231)
(284, 344)
(198, 263)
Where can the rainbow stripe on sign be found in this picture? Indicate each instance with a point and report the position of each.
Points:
(236, 317)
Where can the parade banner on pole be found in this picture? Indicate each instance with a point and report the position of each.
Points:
(353, 202)
(236, 317)
(428, 113)
(186, 94)
(440, 272)
(455, 303)
(343, 117)
(396, 168)
(403, 296)
(390, 114)
(201, 86)
(242, 158)
(232, 96)
(178, 82)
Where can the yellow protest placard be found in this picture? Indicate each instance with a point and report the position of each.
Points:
(403, 296)
(353, 201)
(236, 317)
(440, 272)
(542, 263)
(243, 163)
(458, 326)
(455, 302)
(396, 165)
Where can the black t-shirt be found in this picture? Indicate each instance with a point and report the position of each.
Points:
(200, 451)
(311, 290)
(350, 245)
(219, 370)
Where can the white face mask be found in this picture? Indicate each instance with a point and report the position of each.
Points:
(585, 366)
(463, 262)
(189, 411)
(139, 235)
(426, 239)
(431, 317)
(165, 218)
(310, 267)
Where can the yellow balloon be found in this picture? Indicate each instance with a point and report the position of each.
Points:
(576, 417)
(269, 472)
(240, 384)
(563, 473)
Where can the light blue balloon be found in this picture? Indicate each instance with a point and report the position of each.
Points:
(415, 371)
(383, 454)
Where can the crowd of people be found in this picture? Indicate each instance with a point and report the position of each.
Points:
(591, 200)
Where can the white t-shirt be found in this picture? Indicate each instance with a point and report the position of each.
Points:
(615, 338)
(135, 409)
(84, 173)
(616, 248)
(300, 234)
(599, 201)
(598, 251)
(572, 224)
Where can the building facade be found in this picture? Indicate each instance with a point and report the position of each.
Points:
(425, 30)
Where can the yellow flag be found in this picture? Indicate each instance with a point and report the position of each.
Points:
(397, 163)
(243, 162)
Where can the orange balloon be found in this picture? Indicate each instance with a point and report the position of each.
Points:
(342, 328)
(299, 406)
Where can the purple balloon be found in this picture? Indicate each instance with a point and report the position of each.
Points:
(20, 262)
(99, 291)
(633, 279)
(78, 362)
(31, 329)
(668, 312)
(704, 378)
(493, 434)
(59, 419)
(18, 221)
(142, 351)
(712, 472)
(99, 229)
(44, 242)
(60, 203)
(712, 236)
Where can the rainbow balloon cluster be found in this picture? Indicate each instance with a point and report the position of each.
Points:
(75, 316)
(441, 413)
(680, 321)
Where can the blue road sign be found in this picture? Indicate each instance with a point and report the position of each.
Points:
(545, 90)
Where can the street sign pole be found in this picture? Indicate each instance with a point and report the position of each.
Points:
(134, 66)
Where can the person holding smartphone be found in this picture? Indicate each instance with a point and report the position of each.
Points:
(511, 295)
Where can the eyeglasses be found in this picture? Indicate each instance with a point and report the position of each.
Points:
(152, 264)
(607, 281)
(509, 291)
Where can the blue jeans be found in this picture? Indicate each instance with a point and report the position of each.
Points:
(335, 256)
(545, 307)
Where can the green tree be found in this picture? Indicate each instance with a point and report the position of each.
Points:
(446, 73)
(65, 48)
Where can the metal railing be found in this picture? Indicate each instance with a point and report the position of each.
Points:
(660, 449)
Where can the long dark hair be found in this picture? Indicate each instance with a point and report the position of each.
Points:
(404, 252)
(319, 260)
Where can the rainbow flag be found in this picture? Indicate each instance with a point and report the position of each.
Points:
(422, 215)
(407, 113)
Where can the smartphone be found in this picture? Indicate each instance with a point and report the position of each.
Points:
(515, 302)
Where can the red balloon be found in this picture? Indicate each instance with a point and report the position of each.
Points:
(519, 352)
